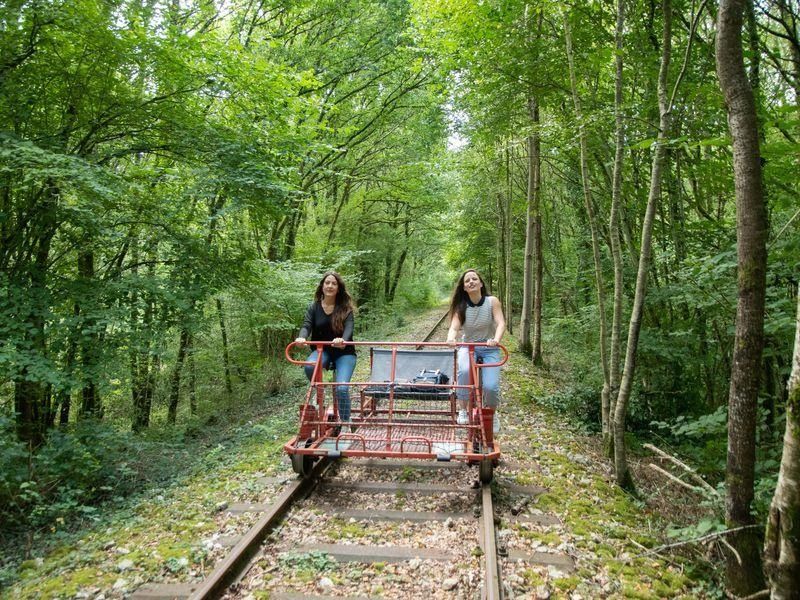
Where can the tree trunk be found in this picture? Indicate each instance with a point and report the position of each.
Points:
(175, 378)
(365, 293)
(141, 360)
(388, 259)
(91, 407)
(534, 227)
(275, 235)
(65, 394)
(225, 357)
(782, 549)
(32, 397)
(751, 234)
(340, 204)
(590, 213)
(525, 345)
(192, 377)
(141, 392)
(538, 268)
(399, 269)
(508, 256)
(608, 400)
(622, 471)
(65, 402)
(501, 249)
(291, 234)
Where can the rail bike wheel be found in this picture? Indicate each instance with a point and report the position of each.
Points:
(303, 463)
(486, 471)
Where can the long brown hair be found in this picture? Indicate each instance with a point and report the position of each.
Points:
(344, 303)
(458, 302)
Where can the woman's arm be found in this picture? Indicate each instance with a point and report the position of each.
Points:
(347, 333)
(455, 327)
(499, 322)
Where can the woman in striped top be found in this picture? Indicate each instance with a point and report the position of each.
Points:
(479, 317)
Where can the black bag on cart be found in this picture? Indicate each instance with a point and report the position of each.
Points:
(426, 366)
(425, 376)
(430, 376)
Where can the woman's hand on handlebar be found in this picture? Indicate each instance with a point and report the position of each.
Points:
(300, 341)
(338, 342)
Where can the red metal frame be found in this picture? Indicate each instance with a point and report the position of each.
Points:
(398, 430)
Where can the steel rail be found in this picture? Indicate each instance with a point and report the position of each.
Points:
(433, 329)
(233, 566)
(491, 574)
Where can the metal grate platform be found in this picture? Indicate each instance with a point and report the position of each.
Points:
(398, 438)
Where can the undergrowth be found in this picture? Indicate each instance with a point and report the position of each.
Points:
(612, 532)
(92, 472)
(99, 477)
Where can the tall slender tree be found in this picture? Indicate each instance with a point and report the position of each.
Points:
(528, 285)
(622, 471)
(743, 574)
(613, 232)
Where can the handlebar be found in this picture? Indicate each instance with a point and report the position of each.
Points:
(469, 345)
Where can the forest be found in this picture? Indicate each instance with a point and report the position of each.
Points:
(176, 175)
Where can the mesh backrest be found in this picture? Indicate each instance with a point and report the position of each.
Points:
(410, 363)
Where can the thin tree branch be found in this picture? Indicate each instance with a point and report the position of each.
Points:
(677, 480)
(685, 467)
(697, 540)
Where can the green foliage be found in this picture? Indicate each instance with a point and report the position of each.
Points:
(208, 159)
(160, 159)
(712, 424)
(696, 530)
(702, 442)
(313, 561)
(580, 402)
(65, 478)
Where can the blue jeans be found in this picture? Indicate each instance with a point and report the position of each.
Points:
(490, 376)
(344, 365)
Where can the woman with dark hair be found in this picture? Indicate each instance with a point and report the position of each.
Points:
(480, 319)
(329, 318)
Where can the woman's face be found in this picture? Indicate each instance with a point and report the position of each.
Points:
(330, 287)
(472, 283)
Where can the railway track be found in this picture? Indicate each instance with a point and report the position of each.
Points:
(358, 529)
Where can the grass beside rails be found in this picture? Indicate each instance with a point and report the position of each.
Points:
(186, 473)
(160, 530)
(608, 531)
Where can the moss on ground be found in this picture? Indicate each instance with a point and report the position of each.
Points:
(566, 584)
(340, 528)
(550, 539)
(161, 531)
(610, 530)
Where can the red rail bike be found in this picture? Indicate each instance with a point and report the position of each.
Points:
(406, 408)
